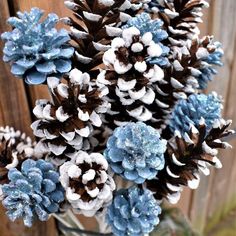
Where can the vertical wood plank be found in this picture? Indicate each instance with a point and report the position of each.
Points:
(211, 193)
(13, 102)
(231, 112)
(200, 200)
(14, 111)
(185, 201)
(225, 31)
(56, 6)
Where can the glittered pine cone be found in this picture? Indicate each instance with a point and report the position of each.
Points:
(66, 123)
(189, 155)
(15, 147)
(36, 49)
(133, 212)
(131, 76)
(87, 183)
(33, 192)
(136, 152)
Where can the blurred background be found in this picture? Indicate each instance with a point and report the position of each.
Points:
(212, 208)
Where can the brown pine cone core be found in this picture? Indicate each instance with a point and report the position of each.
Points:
(79, 187)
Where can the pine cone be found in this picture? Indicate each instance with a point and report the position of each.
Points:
(180, 17)
(192, 110)
(66, 123)
(134, 212)
(145, 24)
(93, 27)
(136, 152)
(131, 76)
(210, 55)
(15, 147)
(191, 69)
(36, 49)
(188, 155)
(86, 181)
(33, 192)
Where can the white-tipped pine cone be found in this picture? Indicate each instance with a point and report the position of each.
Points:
(87, 183)
(66, 123)
(131, 76)
(15, 147)
(181, 18)
(187, 156)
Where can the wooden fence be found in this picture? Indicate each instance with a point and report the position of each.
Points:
(216, 194)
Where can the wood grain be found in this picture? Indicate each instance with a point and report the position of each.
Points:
(185, 201)
(211, 194)
(223, 20)
(231, 113)
(13, 101)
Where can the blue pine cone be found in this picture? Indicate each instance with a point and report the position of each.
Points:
(145, 24)
(211, 60)
(195, 108)
(35, 48)
(136, 152)
(33, 192)
(133, 212)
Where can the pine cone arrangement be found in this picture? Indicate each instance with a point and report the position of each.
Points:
(192, 59)
(86, 181)
(42, 52)
(187, 155)
(66, 123)
(145, 24)
(15, 147)
(211, 54)
(126, 112)
(195, 60)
